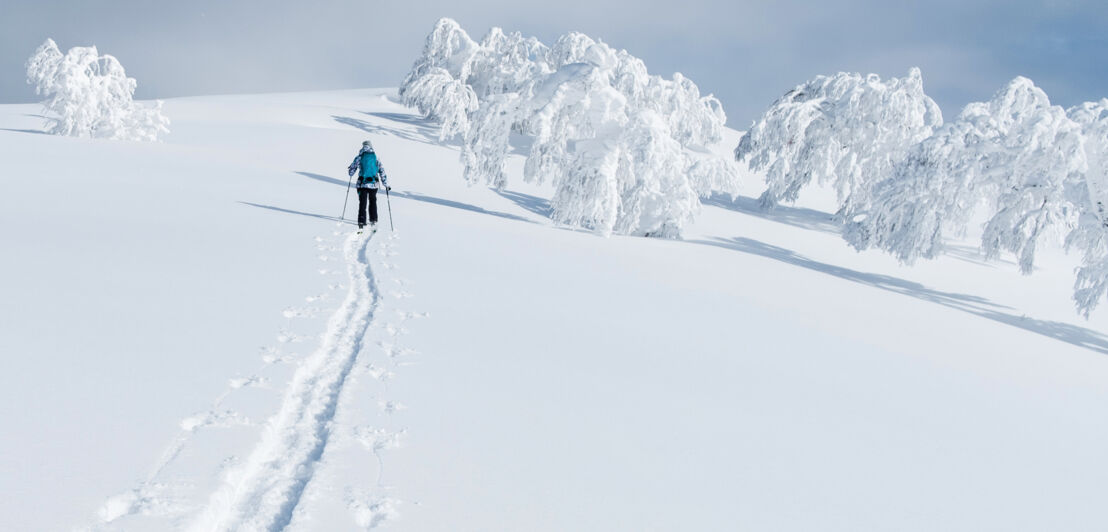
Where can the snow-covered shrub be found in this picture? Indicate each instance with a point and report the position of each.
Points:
(846, 129)
(623, 149)
(89, 94)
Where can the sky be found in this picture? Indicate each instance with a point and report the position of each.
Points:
(747, 53)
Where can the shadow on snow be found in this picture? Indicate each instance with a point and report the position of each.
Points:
(29, 131)
(424, 130)
(457, 205)
(978, 306)
(801, 217)
(535, 204)
(301, 213)
(323, 178)
(805, 218)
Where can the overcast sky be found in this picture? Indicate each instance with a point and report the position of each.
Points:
(746, 53)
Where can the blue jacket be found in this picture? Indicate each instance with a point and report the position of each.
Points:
(369, 169)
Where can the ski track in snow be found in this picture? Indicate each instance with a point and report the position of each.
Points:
(262, 492)
(369, 506)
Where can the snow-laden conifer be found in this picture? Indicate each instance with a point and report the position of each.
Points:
(90, 95)
(848, 130)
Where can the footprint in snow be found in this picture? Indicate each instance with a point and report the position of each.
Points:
(379, 373)
(393, 330)
(212, 418)
(226, 463)
(271, 355)
(249, 382)
(286, 337)
(300, 312)
(155, 499)
(394, 352)
(371, 512)
(401, 295)
(404, 315)
(378, 439)
(390, 407)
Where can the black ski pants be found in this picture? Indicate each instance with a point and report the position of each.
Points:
(367, 195)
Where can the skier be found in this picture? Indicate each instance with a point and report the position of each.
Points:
(371, 176)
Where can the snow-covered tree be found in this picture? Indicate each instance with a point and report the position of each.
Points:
(439, 95)
(1013, 153)
(487, 140)
(626, 151)
(89, 94)
(846, 129)
(436, 85)
(1037, 170)
(454, 72)
(1090, 233)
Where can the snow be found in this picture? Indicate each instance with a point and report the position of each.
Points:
(190, 333)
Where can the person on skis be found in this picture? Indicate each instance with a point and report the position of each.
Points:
(371, 176)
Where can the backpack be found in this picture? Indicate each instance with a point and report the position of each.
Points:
(369, 165)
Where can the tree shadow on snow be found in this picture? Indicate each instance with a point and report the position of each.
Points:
(301, 213)
(978, 306)
(801, 217)
(323, 178)
(535, 204)
(520, 144)
(824, 222)
(30, 131)
(457, 205)
(424, 130)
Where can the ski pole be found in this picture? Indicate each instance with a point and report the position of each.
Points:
(389, 203)
(347, 200)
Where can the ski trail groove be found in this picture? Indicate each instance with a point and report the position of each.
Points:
(263, 492)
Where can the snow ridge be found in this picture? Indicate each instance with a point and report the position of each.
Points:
(263, 492)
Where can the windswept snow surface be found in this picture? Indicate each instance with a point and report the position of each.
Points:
(193, 341)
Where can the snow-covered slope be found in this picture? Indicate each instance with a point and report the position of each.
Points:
(191, 340)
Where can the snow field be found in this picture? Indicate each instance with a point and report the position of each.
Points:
(758, 375)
